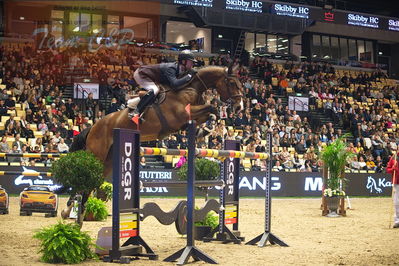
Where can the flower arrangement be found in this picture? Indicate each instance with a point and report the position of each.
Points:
(328, 192)
(335, 156)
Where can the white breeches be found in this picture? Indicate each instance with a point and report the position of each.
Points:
(145, 83)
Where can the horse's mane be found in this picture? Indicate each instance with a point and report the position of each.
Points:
(212, 69)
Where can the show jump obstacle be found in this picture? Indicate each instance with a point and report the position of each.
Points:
(126, 204)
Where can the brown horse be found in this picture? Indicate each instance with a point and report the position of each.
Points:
(100, 137)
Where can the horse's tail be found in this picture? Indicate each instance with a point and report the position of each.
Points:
(79, 141)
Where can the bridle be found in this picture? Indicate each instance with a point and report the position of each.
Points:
(226, 81)
(233, 96)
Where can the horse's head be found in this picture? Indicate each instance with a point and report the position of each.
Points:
(231, 90)
(227, 85)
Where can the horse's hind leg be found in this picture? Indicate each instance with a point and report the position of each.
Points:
(108, 166)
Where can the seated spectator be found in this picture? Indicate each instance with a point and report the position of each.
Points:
(371, 166)
(56, 138)
(143, 163)
(18, 143)
(27, 132)
(24, 160)
(43, 126)
(300, 147)
(14, 150)
(62, 146)
(277, 167)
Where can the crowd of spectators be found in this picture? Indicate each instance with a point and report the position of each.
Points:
(34, 82)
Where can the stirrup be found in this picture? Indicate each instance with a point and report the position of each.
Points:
(133, 113)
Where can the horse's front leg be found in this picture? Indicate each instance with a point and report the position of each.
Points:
(200, 113)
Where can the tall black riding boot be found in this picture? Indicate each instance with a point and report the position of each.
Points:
(144, 102)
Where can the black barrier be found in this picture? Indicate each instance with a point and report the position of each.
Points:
(126, 199)
(252, 183)
(229, 198)
(190, 250)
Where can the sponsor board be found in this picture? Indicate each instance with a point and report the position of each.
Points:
(242, 5)
(251, 183)
(290, 10)
(204, 3)
(363, 20)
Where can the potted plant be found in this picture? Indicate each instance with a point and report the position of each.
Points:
(96, 210)
(335, 156)
(204, 227)
(205, 169)
(104, 192)
(64, 243)
(80, 173)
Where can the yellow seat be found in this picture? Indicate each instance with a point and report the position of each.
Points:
(11, 112)
(38, 134)
(168, 158)
(174, 161)
(3, 163)
(15, 164)
(246, 163)
(21, 113)
(39, 164)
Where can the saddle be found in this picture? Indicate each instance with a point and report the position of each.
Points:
(159, 99)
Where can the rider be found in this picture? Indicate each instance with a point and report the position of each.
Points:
(164, 73)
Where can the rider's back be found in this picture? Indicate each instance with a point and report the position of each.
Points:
(164, 73)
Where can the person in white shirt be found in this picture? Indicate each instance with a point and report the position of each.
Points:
(62, 146)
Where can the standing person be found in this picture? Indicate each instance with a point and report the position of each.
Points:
(393, 168)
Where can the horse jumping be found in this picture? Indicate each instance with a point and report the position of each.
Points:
(169, 118)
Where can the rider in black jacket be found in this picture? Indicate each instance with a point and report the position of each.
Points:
(164, 73)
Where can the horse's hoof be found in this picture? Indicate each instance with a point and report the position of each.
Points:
(63, 215)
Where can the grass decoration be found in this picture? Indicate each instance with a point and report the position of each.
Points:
(65, 243)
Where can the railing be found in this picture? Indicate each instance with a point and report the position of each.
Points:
(303, 104)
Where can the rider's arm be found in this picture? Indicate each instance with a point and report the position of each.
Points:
(170, 74)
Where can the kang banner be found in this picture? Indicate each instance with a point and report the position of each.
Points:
(251, 183)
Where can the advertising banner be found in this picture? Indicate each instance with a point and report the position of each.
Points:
(82, 90)
(243, 5)
(204, 3)
(252, 184)
(290, 10)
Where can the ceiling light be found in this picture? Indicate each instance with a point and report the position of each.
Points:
(22, 18)
(76, 29)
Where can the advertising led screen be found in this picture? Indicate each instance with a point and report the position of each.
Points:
(393, 24)
(242, 5)
(289, 10)
(205, 3)
(363, 20)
